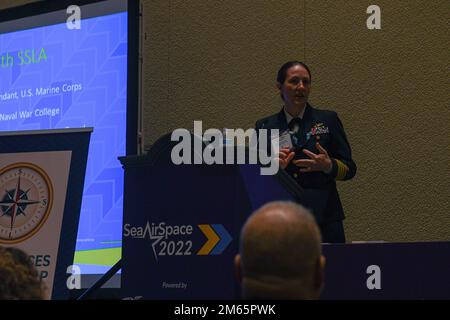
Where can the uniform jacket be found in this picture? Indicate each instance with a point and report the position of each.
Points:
(325, 127)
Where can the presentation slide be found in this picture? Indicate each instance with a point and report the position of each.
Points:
(57, 76)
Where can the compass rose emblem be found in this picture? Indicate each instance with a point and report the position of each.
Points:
(26, 197)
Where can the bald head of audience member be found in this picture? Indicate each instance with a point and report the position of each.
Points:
(280, 254)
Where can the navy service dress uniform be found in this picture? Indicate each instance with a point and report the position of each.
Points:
(324, 127)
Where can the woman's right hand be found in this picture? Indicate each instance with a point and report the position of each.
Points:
(285, 156)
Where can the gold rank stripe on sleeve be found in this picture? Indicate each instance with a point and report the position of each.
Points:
(342, 170)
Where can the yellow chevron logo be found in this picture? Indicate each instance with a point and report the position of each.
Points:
(212, 237)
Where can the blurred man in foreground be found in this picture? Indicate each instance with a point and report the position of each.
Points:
(280, 254)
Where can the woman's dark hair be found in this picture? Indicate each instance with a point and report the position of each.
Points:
(285, 67)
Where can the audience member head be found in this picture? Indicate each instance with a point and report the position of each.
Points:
(280, 254)
(19, 279)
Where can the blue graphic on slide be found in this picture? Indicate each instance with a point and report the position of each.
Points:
(53, 77)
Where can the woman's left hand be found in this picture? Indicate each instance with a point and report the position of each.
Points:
(317, 162)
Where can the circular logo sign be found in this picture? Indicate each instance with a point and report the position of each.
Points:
(26, 197)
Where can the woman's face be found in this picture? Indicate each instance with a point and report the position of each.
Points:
(296, 87)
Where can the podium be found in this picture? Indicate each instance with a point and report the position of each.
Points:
(182, 223)
(181, 232)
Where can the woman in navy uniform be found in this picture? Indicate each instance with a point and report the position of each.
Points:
(320, 154)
